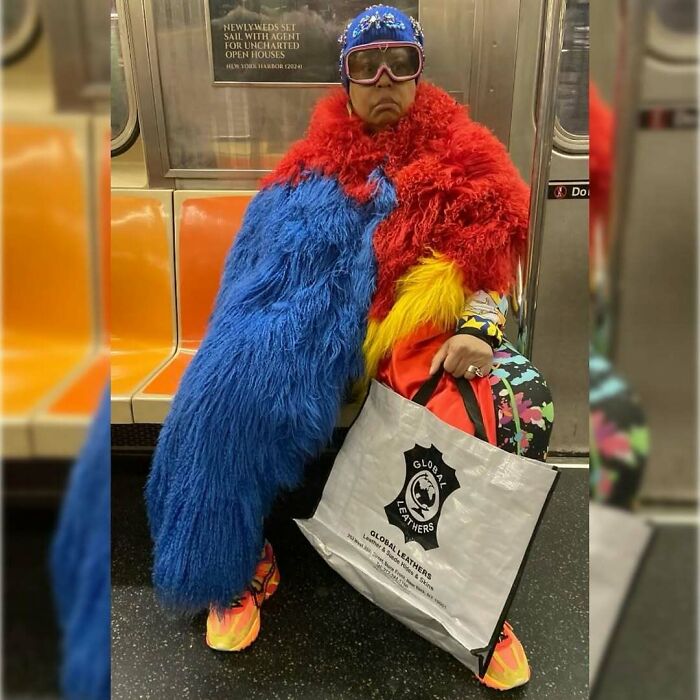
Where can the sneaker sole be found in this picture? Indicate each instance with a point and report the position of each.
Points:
(254, 631)
(499, 686)
(247, 640)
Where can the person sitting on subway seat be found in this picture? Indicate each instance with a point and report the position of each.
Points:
(382, 246)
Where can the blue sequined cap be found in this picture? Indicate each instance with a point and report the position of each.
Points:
(377, 23)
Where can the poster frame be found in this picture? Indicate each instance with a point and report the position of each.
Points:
(263, 84)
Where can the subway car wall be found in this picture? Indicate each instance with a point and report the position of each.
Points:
(171, 168)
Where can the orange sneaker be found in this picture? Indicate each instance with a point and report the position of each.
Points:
(237, 627)
(508, 667)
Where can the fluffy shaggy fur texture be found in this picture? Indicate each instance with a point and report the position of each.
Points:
(80, 568)
(263, 392)
(350, 225)
(430, 292)
(458, 192)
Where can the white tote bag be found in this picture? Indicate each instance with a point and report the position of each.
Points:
(430, 523)
(617, 544)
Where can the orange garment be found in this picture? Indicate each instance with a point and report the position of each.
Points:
(407, 368)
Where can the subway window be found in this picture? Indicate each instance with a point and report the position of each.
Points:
(77, 31)
(124, 118)
(673, 30)
(680, 16)
(572, 93)
(20, 28)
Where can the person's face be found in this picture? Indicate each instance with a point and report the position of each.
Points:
(384, 103)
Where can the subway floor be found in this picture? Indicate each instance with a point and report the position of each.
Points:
(322, 640)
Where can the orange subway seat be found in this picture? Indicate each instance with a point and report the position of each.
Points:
(129, 368)
(206, 229)
(142, 310)
(82, 397)
(104, 225)
(60, 426)
(30, 374)
(165, 383)
(48, 304)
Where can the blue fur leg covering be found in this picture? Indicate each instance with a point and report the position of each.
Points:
(262, 394)
(80, 568)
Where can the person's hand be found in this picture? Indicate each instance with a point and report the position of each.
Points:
(460, 352)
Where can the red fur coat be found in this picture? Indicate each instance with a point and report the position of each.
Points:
(458, 192)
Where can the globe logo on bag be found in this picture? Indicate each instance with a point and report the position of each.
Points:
(422, 496)
(428, 483)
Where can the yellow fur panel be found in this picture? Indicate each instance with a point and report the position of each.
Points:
(432, 290)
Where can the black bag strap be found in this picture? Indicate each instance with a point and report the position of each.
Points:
(466, 391)
(427, 389)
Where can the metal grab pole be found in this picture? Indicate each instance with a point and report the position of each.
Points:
(628, 72)
(529, 278)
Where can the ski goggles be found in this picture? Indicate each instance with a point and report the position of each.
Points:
(403, 61)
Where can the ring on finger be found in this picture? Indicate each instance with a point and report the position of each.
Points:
(472, 369)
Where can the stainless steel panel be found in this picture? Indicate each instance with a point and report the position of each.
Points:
(658, 282)
(20, 26)
(656, 340)
(485, 53)
(78, 31)
(94, 30)
(493, 64)
(123, 94)
(629, 61)
(129, 168)
(678, 16)
(673, 35)
(668, 83)
(16, 14)
(562, 334)
(522, 130)
(653, 228)
(146, 96)
(544, 122)
(605, 18)
(561, 337)
(195, 130)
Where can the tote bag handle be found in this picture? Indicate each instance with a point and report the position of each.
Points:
(466, 391)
